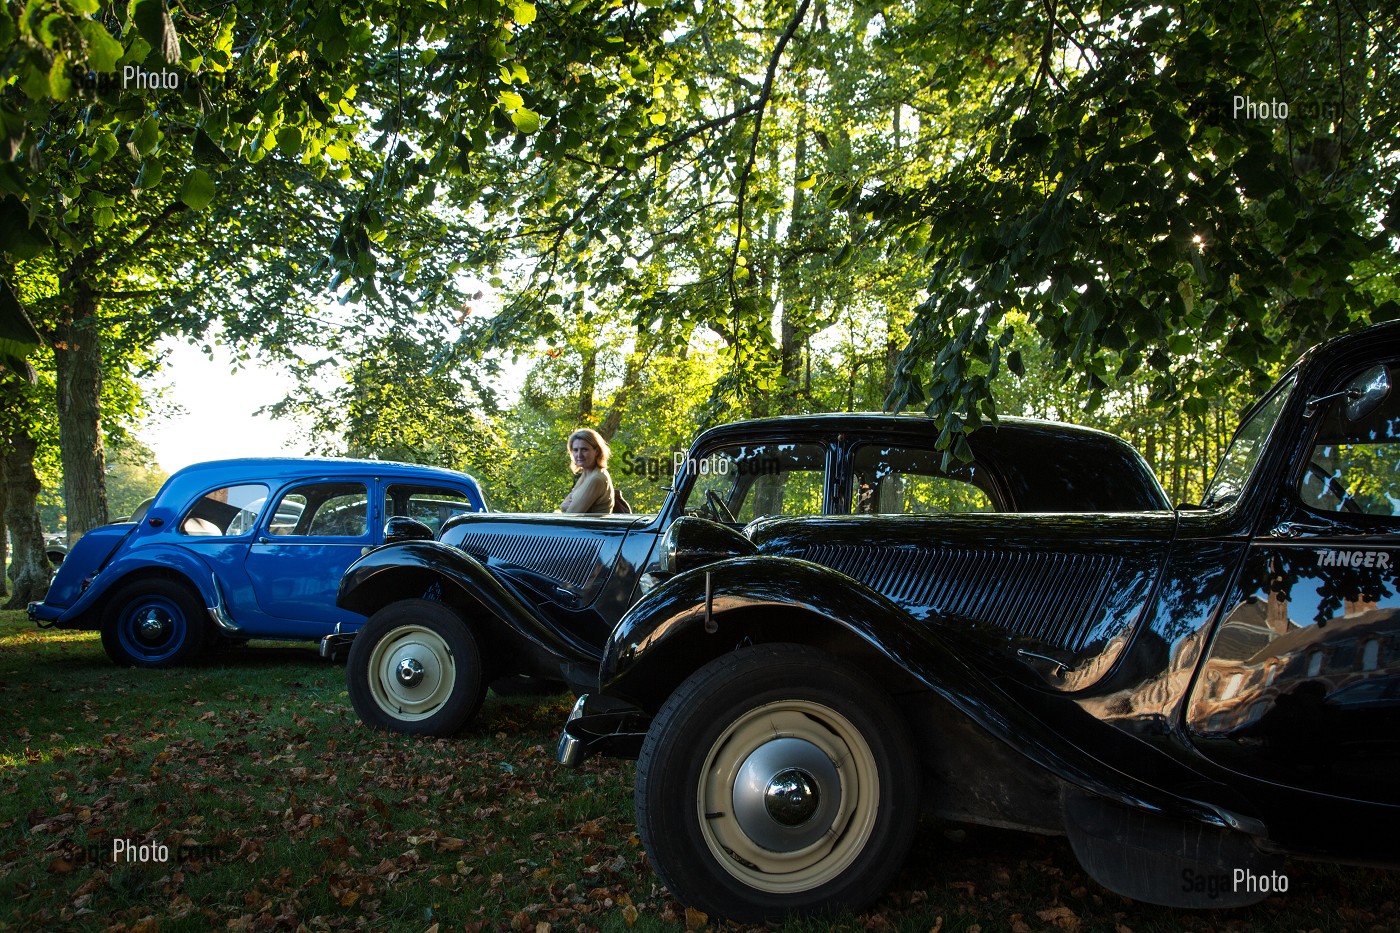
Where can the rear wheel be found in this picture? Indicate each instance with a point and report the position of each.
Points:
(777, 780)
(415, 668)
(154, 623)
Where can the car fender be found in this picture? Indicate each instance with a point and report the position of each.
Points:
(704, 613)
(430, 569)
(152, 560)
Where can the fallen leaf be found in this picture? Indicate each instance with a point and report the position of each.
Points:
(695, 919)
(1062, 917)
(629, 914)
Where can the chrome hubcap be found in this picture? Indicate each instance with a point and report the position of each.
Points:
(787, 794)
(153, 626)
(792, 797)
(410, 672)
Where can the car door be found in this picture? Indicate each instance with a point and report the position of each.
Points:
(1300, 683)
(313, 532)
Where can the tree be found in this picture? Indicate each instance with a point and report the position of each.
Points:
(1121, 194)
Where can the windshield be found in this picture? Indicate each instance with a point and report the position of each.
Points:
(1245, 450)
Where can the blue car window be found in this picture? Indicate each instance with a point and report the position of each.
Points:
(226, 512)
(431, 505)
(325, 509)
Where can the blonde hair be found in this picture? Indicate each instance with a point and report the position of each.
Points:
(594, 440)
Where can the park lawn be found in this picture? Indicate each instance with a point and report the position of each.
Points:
(292, 815)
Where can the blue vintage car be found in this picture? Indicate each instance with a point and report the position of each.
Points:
(238, 549)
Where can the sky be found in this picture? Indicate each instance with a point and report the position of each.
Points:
(218, 405)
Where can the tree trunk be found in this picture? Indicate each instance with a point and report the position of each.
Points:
(631, 376)
(4, 535)
(30, 570)
(78, 364)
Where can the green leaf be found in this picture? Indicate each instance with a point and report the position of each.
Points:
(152, 171)
(523, 13)
(60, 84)
(103, 51)
(198, 189)
(146, 136)
(511, 100)
(154, 24)
(103, 217)
(289, 141)
(18, 338)
(526, 120)
(17, 237)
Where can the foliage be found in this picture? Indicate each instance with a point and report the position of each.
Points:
(1114, 195)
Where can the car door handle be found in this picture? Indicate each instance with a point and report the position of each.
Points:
(1294, 529)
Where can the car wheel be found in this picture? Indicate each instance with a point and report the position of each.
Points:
(154, 623)
(777, 780)
(415, 668)
(56, 557)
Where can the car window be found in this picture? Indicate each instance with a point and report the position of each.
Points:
(1354, 466)
(909, 481)
(747, 481)
(431, 505)
(225, 512)
(1248, 446)
(327, 509)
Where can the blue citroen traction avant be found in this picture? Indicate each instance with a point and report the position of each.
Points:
(230, 550)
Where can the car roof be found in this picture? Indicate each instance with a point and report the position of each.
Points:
(1046, 461)
(278, 469)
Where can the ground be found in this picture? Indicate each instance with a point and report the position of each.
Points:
(262, 803)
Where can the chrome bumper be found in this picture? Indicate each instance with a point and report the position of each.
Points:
(599, 725)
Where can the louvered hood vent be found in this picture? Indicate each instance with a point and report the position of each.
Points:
(1056, 599)
(570, 561)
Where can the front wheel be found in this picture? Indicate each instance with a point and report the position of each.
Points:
(154, 623)
(777, 780)
(415, 668)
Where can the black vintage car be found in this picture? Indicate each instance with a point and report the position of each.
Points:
(510, 594)
(1188, 694)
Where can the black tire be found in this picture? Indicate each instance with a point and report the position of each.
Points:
(155, 623)
(763, 713)
(449, 684)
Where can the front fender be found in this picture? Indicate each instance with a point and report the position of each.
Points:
(158, 560)
(409, 569)
(707, 612)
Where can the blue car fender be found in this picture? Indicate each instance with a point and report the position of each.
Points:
(152, 560)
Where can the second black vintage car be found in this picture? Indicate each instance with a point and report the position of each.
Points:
(506, 594)
(1187, 694)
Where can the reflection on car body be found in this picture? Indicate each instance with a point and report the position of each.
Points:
(1185, 694)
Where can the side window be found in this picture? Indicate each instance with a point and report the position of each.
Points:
(1354, 465)
(226, 512)
(909, 481)
(327, 509)
(744, 482)
(431, 505)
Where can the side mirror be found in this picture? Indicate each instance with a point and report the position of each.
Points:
(1366, 392)
(402, 528)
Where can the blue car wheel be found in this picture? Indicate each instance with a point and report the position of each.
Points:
(154, 623)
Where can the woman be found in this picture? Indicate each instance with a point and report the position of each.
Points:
(593, 487)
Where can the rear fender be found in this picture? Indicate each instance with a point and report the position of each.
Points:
(156, 561)
(432, 570)
(704, 613)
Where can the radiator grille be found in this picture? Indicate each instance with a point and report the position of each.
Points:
(1056, 599)
(569, 561)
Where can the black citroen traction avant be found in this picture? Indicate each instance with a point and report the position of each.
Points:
(499, 595)
(1187, 694)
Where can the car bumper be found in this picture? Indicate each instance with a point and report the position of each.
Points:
(599, 725)
(44, 614)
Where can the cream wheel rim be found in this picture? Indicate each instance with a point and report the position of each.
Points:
(789, 796)
(411, 672)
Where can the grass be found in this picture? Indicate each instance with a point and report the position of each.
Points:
(295, 816)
